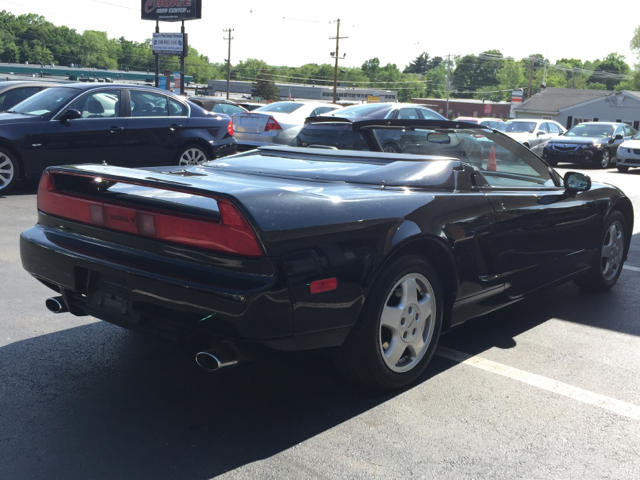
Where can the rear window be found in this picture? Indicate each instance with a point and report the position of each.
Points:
(280, 107)
(360, 111)
(340, 136)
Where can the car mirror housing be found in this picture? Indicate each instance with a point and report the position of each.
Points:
(576, 182)
(618, 137)
(70, 114)
(540, 133)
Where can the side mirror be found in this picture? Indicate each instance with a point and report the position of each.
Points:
(576, 182)
(618, 137)
(70, 114)
(540, 133)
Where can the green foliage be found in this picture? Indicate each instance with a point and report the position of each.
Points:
(264, 87)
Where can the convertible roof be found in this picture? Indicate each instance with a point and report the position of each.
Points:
(359, 124)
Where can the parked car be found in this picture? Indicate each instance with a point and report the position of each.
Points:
(122, 125)
(491, 122)
(374, 111)
(275, 123)
(13, 92)
(590, 143)
(371, 254)
(218, 105)
(628, 154)
(250, 106)
(532, 132)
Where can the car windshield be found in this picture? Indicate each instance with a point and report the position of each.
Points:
(493, 124)
(280, 107)
(520, 127)
(336, 135)
(46, 101)
(590, 130)
(357, 111)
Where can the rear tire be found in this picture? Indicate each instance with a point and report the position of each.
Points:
(607, 264)
(8, 170)
(399, 327)
(191, 155)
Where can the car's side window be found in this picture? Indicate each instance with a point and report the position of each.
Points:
(619, 131)
(15, 96)
(408, 114)
(177, 109)
(544, 127)
(148, 104)
(628, 131)
(100, 104)
(553, 128)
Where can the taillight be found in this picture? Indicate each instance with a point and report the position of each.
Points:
(230, 128)
(232, 234)
(272, 125)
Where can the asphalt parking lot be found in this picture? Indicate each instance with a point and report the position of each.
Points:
(547, 388)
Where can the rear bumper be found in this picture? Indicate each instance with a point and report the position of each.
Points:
(144, 291)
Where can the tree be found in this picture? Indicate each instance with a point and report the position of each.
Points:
(608, 71)
(509, 76)
(371, 67)
(635, 42)
(264, 87)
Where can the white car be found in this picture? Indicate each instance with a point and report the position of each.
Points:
(628, 154)
(533, 132)
(275, 123)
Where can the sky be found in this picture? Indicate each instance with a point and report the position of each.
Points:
(292, 33)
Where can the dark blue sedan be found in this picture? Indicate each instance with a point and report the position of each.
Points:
(124, 125)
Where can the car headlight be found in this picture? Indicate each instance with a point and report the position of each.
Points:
(595, 145)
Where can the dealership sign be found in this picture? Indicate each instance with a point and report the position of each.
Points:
(171, 10)
(169, 43)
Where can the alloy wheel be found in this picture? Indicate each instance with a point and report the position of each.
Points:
(192, 156)
(407, 322)
(7, 170)
(606, 159)
(612, 251)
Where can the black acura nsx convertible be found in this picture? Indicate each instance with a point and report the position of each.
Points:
(370, 254)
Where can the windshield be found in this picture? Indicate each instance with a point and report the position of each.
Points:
(46, 101)
(357, 111)
(493, 124)
(520, 127)
(590, 130)
(280, 107)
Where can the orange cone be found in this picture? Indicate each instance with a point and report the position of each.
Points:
(492, 164)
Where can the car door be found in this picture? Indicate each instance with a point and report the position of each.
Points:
(541, 134)
(152, 131)
(94, 137)
(541, 233)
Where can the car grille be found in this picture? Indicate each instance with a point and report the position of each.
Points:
(565, 148)
(636, 150)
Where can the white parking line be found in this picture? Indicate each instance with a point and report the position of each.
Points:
(619, 407)
(631, 267)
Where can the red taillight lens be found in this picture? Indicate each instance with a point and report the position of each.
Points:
(232, 234)
(272, 125)
(230, 128)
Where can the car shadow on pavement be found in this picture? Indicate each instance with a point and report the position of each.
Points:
(99, 402)
(22, 188)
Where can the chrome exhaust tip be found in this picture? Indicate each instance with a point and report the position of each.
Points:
(56, 304)
(224, 355)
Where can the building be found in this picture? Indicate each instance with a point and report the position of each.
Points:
(570, 106)
(297, 91)
(59, 72)
(466, 107)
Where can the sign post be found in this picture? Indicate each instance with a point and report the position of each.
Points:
(170, 43)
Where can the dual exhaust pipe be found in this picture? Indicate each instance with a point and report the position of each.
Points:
(222, 355)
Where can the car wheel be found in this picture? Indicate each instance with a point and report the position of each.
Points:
(605, 161)
(623, 169)
(607, 265)
(391, 148)
(8, 170)
(398, 330)
(191, 155)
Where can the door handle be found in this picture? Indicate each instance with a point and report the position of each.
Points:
(114, 130)
(174, 126)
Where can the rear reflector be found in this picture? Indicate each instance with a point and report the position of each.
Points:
(232, 234)
(272, 125)
(324, 285)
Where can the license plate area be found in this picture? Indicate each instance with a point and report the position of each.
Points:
(111, 297)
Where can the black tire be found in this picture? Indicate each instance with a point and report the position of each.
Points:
(595, 280)
(361, 356)
(195, 153)
(391, 147)
(623, 169)
(605, 160)
(8, 170)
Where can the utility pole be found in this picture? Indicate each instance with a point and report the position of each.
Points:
(544, 74)
(447, 83)
(157, 58)
(182, 63)
(228, 38)
(336, 55)
(530, 76)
